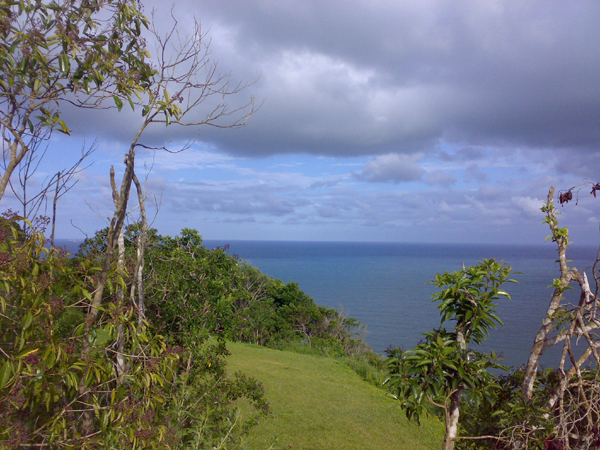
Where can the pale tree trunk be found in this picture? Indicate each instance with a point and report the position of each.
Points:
(452, 411)
(114, 229)
(15, 159)
(138, 280)
(452, 417)
(54, 202)
(121, 365)
(540, 343)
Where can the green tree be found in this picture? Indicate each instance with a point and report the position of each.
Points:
(65, 51)
(442, 368)
(46, 384)
(83, 52)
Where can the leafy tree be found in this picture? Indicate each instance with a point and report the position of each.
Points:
(119, 382)
(442, 368)
(46, 385)
(65, 51)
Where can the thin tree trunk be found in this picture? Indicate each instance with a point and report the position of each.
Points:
(121, 366)
(54, 202)
(452, 418)
(541, 338)
(114, 229)
(138, 279)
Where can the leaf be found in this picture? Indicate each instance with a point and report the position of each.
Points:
(63, 127)
(5, 374)
(28, 352)
(118, 102)
(64, 65)
(27, 320)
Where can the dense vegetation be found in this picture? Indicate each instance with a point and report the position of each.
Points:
(190, 289)
(173, 390)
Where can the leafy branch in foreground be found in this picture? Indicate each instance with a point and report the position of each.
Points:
(441, 369)
(65, 52)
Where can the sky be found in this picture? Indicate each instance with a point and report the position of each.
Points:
(378, 120)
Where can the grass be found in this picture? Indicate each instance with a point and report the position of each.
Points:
(319, 403)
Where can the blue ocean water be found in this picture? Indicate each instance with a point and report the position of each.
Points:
(383, 285)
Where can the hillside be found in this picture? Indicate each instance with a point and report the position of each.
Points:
(318, 403)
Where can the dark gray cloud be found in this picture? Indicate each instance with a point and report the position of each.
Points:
(352, 78)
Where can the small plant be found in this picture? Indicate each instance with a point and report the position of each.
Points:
(441, 369)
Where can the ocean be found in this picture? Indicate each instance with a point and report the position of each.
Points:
(384, 285)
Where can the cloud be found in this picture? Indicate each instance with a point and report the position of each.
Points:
(463, 154)
(393, 167)
(429, 120)
(472, 172)
(364, 78)
(528, 206)
(440, 178)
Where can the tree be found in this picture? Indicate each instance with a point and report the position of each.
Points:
(556, 408)
(574, 403)
(443, 368)
(79, 52)
(115, 385)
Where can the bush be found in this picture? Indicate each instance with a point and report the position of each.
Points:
(115, 383)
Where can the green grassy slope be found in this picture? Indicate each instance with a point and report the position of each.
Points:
(320, 404)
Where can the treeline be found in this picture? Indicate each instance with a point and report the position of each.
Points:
(191, 290)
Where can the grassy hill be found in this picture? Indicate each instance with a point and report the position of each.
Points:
(318, 403)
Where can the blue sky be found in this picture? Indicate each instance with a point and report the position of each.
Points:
(424, 121)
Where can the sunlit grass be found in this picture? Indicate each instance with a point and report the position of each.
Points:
(320, 403)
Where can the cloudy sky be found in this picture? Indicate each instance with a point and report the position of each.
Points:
(380, 120)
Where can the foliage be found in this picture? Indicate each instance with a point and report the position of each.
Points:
(44, 381)
(439, 369)
(65, 51)
(47, 382)
(507, 415)
(469, 298)
(195, 292)
(434, 369)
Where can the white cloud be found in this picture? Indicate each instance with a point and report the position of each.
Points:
(393, 167)
(529, 206)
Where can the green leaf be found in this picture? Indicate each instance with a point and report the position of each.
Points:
(64, 65)
(118, 102)
(27, 320)
(5, 373)
(63, 127)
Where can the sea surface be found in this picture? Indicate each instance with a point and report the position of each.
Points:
(384, 285)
